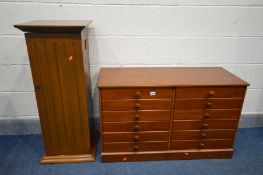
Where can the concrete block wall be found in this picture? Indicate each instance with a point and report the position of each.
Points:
(227, 33)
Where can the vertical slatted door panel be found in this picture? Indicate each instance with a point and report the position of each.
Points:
(62, 91)
(38, 75)
(73, 94)
(53, 61)
(75, 72)
(49, 91)
(84, 94)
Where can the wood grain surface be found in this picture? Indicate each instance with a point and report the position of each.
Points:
(195, 110)
(60, 80)
(167, 77)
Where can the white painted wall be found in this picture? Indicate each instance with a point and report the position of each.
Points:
(227, 33)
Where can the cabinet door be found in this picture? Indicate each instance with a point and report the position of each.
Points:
(58, 74)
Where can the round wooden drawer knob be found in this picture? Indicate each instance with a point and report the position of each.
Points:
(136, 127)
(211, 93)
(205, 126)
(137, 94)
(209, 104)
(206, 116)
(136, 138)
(136, 147)
(203, 135)
(186, 154)
(137, 105)
(137, 117)
(202, 145)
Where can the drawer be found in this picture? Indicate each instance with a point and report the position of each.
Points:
(203, 134)
(204, 144)
(207, 124)
(135, 126)
(215, 103)
(131, 147)
(149, 115)
(208, 92)
(200, 114)
(123, 105)
(136, 136)
(136, 93)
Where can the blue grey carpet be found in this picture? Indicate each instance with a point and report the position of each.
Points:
(20, 155)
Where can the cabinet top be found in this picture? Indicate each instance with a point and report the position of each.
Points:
(167, 77)
(53, 26)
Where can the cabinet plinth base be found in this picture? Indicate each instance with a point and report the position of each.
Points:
(167, 155)
(68, 159)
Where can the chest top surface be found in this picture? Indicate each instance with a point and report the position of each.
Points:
(167, 77)
(53, 26)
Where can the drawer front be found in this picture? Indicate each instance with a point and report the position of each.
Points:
(204, 134)
(135, 147)
(136, 136)
(200, 114)
(204, 144)
(123, 105)
(206, 124)
(137, 93)
(210, 92)
(216, 103)
(135, 126)
(123, 116)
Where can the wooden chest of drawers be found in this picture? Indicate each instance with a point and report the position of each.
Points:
(168, 113)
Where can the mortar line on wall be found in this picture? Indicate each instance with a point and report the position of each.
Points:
(169, 36)
(11, 35)
(149, 36)
(25, 92)
(16, 91)
(9, 65)
(29, 91)
(131, 4)
(254, 113)
(152, 65)
(18, 116)
(173, 65)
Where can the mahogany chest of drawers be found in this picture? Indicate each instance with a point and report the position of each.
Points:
(168, 113)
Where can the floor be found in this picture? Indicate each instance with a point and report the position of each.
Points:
(19, 155)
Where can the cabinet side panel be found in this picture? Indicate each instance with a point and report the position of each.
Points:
(85, 96)
(38, 74)
(89, 93)
(240, 111)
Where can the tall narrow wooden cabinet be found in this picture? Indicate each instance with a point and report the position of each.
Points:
(58, 54)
